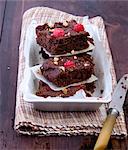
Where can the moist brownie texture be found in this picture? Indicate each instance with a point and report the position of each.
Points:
(63, 71)
(62, 38)
(45, 91)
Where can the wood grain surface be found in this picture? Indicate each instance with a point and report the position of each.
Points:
(11, 11)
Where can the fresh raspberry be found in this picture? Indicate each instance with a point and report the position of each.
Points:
(78, 27)
(58, 32)
(69, 64)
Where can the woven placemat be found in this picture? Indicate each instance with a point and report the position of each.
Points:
(34, 122)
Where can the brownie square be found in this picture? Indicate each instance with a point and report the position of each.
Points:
(69, 40)
(63, 71)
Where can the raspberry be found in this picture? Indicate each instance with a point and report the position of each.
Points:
(58, 32)
(78, 27)
(69, 64)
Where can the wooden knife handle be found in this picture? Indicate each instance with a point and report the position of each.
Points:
(106, 131)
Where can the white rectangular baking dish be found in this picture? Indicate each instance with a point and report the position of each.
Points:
(74, 103)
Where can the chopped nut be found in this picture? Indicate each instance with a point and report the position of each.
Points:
(41, 67)
(86, 65)
(55, 62)
(65, 91)
(62, 68)
(56, 58)
(72, 52)
(65, 23)
(68, 33)
(51, 30)
(71, 69)
(75, 57)
(65, 35)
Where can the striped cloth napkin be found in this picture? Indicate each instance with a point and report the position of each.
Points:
(34, 122)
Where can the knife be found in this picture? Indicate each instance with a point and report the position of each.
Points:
(115, 108)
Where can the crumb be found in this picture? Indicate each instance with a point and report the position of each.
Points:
(55, 62)
(125, 78)
(75, 57)
(56, 58)
(72, 52)
(101, 91)
(65, 23)
(120, 97)
(86, 65)
(65, 91)
(124, 87)
(62, 68)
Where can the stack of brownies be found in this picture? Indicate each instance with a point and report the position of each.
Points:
(67, 65)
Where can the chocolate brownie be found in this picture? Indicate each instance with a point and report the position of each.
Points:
(63, 71)
(63, 38)
(45, 91)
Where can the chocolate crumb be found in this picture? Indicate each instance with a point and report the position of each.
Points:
(120, 97)
(101, 91)
(125, 78)
(55, 62)
(122, 83)
(124, 87)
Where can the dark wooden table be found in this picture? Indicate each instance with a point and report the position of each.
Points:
(115, 14)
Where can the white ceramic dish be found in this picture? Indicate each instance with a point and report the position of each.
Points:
(78, 102)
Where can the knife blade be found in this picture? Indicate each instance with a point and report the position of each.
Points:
(115, 108)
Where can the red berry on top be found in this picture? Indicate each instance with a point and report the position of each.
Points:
(58, 32)
(69, 64)
(78, 27)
